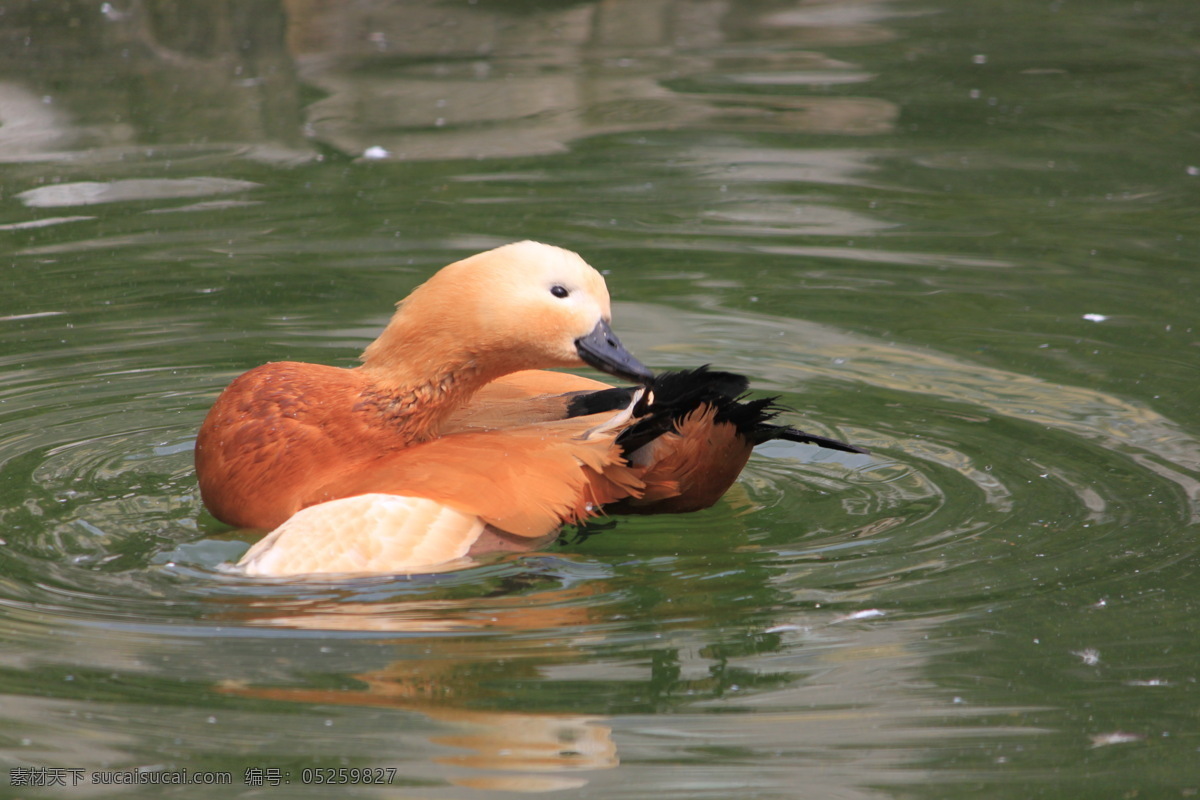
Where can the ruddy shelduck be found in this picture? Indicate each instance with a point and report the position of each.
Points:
(452, 438)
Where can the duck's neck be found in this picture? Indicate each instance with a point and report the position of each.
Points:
(417, 381)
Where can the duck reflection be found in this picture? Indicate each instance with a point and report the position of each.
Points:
(453, 680)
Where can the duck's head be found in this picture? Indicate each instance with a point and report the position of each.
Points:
(521, 306)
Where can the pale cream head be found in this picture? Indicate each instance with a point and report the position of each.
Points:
(533, 297)
(521, 306)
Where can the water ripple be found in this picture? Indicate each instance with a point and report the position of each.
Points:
(969, 466)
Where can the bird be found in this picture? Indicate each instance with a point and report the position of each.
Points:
(454, 437)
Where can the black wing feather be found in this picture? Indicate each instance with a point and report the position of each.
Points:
(673, 395)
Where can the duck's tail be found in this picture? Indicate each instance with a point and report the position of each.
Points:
(675, 395)
(694, 434)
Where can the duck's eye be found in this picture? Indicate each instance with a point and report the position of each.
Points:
(559, 291)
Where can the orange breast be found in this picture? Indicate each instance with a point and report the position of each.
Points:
(287, 435)
(278, 433)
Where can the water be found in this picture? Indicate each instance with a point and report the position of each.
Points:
(962, 234)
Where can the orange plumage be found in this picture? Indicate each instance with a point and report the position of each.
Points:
(451, 439)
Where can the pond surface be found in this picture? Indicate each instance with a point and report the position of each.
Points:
(962, 233)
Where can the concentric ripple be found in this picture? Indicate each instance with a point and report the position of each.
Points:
(969, 467)
(973, 496)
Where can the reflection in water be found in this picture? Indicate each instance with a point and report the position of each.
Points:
(837, 625)
(29, 125)
(421, 85)
(91, 193)
(410, 80)
(497, 743)
(832, 703)
(827, 681)
(450, 684)
(206, 76)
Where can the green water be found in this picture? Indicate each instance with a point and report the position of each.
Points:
(963, 234)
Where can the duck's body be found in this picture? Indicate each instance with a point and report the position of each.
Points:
(280, 432)
(451, 440)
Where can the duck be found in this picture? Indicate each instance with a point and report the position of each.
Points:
(455, 437)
